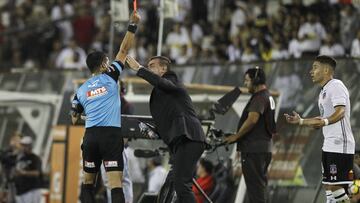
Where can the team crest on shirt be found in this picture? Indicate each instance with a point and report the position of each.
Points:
(333, 169)
(324, 95)
(96, 93)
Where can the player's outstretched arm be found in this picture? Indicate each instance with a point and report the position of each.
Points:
(129, 38)
(316, 122)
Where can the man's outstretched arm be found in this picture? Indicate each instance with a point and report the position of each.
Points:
(129, 38)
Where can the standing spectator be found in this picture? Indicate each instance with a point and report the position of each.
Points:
(331, 48)
(349, 21)
(248, 55)
(239, 18)
(234, 50)
(310, 34)
(176, 39)
(71, 57)
(60, 11)
(28, 174)
(184, 6)
(262, 20)
(54, 54)
(84, 28)
(355, 46)
(157, 175)
(183, 58)
(294, 46)
(278, 52)
(205, 179)
(195, 56)
(195, 31)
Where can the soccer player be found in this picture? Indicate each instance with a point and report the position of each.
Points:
(99, 98)
(339, 145)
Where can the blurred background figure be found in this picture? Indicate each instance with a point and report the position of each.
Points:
(331, 47)
(311, 32)
(28, 175)
(156, 174)
(71, 57)
(355, 46)
(205, 179)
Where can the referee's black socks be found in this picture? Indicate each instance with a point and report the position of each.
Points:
(117, 195)
(87, 193)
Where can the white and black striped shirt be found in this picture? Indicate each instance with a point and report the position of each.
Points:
(338, 137)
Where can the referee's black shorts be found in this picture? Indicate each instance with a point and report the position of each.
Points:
(102, 144)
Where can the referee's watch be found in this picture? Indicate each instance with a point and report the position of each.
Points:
(132, 27)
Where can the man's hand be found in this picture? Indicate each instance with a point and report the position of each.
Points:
(132, 63)
(135, 18)
(293, 119)
(231, 139)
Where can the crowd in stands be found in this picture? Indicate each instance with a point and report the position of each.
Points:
(59, 33)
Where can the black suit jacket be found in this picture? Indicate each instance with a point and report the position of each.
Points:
(171, 108)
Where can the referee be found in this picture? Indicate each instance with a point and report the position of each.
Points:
(339, 145)
(99, 98)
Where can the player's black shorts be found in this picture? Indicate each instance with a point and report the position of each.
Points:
(102, 144)
(337, 168)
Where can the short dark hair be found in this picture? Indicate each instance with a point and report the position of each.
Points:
(207, 165)
(326, 60)
(257, 75)
(164, 61)
(94, 60)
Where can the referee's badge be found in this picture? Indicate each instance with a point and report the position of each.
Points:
(333, 169)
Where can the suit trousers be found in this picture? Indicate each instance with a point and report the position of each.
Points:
(184, 159)
(254, 167)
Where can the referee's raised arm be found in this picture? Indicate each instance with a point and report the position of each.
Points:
(129, 38)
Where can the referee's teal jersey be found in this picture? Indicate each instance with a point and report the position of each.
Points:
(100, 98)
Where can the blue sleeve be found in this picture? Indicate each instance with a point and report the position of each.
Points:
(115, 70)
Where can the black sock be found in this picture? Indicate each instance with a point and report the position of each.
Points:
(87, 193)
(117, 195)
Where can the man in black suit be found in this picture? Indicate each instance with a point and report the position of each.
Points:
(175, 119)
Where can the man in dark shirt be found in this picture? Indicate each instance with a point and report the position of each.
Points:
(27, 174)
(175, 119)
(254, 136)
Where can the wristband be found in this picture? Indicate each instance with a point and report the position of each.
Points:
(301, 121)
(132, 27)
(326, 121)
